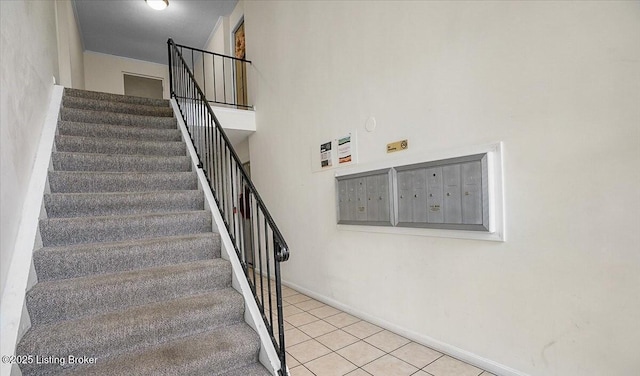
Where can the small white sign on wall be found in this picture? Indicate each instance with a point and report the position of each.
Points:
(328, 154)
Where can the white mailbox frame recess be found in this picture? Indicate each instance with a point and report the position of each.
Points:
(492, 226)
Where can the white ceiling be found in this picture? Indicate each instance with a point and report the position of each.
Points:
(130, 28)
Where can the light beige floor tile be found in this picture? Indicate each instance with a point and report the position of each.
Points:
(330, 365)
(341, 320)
(421, 373)
(300, 319)
(317, 328)
(416, 354)
(286, 291)
(310, 304)
(448, 366)
(359, 372)
(287, 326)
(487, 373)
(387, 341)
(295, 336)
(308, 350)
(337, 339)
(300, 371)
(291, 310)
(297, 298)
(360, 353)
(324, 312)
(291, 361)
(362, 329)
(389, 366)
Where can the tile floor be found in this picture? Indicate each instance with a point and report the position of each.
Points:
(324, 341)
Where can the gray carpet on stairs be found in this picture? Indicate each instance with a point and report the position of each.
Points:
(130, 273)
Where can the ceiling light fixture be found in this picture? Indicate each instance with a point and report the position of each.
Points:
(157, 4)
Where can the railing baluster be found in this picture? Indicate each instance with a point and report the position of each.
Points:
(204, 76)
(251, 235)
(260, 263)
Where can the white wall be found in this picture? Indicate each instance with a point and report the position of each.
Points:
(556, 81)
(29, 63)
(70, 49)
(105, 73)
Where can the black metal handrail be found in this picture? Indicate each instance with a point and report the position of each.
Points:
(226, 76)
(254, 234)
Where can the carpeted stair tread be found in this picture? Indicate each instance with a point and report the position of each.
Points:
(67, 299)
(81, 181)
(212, 353)
(115, 97)
(255, 369)
(63, 262)
(132, 329)
(126, 132)
(119, 107)
(67, 231)
(114, 118)
(68, 205)
(63, 161)
(79, 144)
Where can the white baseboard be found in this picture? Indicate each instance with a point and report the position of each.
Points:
(13, 297)
(445, 348)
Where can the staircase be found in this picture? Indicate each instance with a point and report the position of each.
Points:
(130, 271)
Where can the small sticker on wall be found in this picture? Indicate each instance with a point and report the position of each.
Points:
(397, 146)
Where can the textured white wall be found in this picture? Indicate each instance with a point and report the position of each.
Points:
(558, 82)
(29, 63)
(104, 72)
(70, 50)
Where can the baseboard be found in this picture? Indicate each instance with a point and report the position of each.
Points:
(13, 297)
(445, 348)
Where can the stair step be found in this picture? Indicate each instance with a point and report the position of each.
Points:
(68, 231)
(63, 161)
(68, 299)
(118, 107)
(117, 131)
(212, 353)
(255, 369)
(79, 181)
(67, 205)
(132, 329)
(103, 117)
(63, 262)
(115, 97)
(79, 144)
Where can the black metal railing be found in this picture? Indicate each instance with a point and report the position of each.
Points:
(222, 78)
(255, 236)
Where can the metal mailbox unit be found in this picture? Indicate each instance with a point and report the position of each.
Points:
(365, 198)
(445, 194)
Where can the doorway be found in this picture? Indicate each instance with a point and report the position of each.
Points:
(240, 66)
(146, 87)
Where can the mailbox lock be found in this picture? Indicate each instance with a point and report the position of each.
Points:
(448, 194)
(416, 196)
(430, 194)
(466, 193)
